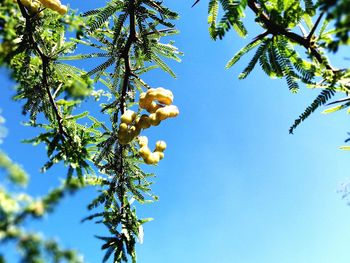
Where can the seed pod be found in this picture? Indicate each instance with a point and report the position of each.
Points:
(152, 159)
(143, 141)
(147, 99)
(143, 122)
(54, 5)
(160, 154)
(128, 117)
(144, 152)
(167, 112)
(153, 107)
(62, 10)
(160, 146)
(153, 119)
(162, 95)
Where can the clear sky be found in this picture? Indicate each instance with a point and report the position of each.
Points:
(234, 186)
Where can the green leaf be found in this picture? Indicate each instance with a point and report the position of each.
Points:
(345, 147)
(333, 109)
(243, 51)
(212, 17)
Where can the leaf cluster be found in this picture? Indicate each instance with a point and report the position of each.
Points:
(126, 39)
(277, 49)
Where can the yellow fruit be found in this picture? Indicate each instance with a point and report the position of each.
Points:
(128, 117)
(50, 4)
(143, 122)
(153, 107)
(32, 6)
(172, 110)
(62, 10)
(144, 152)
(123, 134)
(167, 112)
(124, 139)
(160, 154)
(148, 156)
(142, 102)
(160, 94)
(152, 159)
(123, 127)
(162, 114)
(158, 112)
(143, 141)
(134, 131)
(54, 5)
(160, 146)
(153, 119)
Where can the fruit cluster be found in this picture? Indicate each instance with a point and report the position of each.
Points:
(128, 128)
(161, 110)
(158, 103)
(146, 154)
(33, 6)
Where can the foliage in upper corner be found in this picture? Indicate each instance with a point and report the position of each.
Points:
(277, 48)
(338, 11)
(232, 18)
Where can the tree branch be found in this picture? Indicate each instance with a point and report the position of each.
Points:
(315, 26)
(122, 104)
(276, 29)
(125, 56)
(45, 59)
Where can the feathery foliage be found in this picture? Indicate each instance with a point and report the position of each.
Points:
(277, 47)
(127, 38)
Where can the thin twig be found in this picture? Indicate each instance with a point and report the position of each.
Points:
(197, 1)
(165, 30)
(315, 26)
(338, 101)
(54, 95)
(139, 79)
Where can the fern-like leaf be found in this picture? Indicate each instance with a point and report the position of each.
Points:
(104, 14)
(320, 100)
(213, 11)
(101, 67)
(161, 64)
(254, 60)
(245, 50)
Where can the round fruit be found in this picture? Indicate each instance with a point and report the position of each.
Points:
(128, 117)
(160, 146)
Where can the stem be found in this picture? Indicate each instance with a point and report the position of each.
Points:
(122, 102)
(45, 63)
(139, 79)
(315, 26)
(165, 30)
(197, 1)
(125, 56)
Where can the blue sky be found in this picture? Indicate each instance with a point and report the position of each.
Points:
(234, 185)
